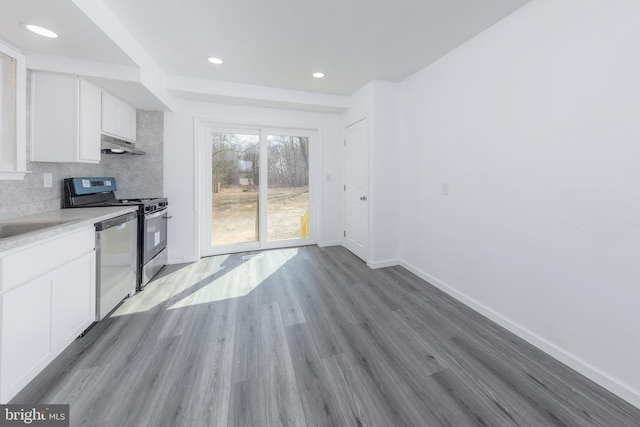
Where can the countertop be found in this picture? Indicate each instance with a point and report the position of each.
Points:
(71, 218)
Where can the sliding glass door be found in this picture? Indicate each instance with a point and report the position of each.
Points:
(235, 179)
(287, 187)
(256, 189)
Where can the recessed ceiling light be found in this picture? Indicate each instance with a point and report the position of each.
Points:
(45, 32)
(216, 60)
(318, 75)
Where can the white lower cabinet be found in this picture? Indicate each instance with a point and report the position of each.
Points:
(26, 334)
(41, 316)
(73, 300)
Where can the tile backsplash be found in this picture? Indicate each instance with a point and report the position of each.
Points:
(136, 176)
(140, 176)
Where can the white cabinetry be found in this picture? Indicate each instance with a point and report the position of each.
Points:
(118, 118)
(90, 117)
(65, 119)
(26, 334)
(73, 299)
(47, 298)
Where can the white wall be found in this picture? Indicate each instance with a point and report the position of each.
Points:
(384, 166)
(180, 174)
(535, 124)
(378, 103)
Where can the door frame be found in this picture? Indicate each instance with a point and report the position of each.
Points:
(201, 125)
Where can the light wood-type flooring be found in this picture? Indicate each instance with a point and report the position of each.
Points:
(311, 336)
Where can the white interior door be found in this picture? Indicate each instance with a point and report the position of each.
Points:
(357, 189)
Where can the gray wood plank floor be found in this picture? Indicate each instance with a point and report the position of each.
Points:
(311, 337)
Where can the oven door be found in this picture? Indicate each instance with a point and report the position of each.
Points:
(155, 235)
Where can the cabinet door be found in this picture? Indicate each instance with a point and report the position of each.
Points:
(53, 117)
(27, 345)
(118, 118)
(128, 122)
(73, 299)
(90, 120)
(110, 114)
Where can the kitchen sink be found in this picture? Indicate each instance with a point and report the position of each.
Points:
(16, 228)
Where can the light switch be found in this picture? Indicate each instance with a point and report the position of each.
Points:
(48, 180)
(444, 189)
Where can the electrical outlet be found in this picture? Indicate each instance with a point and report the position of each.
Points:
(444, 189)
(48, 180)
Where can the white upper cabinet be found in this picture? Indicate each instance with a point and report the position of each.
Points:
(65, 119)
(90, 121)
(118, 118)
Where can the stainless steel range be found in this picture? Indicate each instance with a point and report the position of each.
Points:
(152, 219)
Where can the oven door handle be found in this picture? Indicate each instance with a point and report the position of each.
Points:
(156, 214)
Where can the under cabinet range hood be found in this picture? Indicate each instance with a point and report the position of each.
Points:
(111, 145)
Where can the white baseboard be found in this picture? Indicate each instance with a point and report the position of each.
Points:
(615, 385)
(382, 264)
(329, 243)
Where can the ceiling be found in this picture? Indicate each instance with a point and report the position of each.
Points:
(280, 43)
(78, 37)
(275, 43)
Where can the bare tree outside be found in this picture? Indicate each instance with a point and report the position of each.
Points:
(288, 187)
(236, 183)
(235, 172)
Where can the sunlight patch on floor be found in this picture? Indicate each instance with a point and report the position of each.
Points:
(166, 287)
(241, 280)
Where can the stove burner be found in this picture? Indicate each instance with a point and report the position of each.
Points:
(147, 205)
(135, 200)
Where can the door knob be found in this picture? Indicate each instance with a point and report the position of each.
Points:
(363, 198)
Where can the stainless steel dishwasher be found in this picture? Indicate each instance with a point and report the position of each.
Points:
(116, 261)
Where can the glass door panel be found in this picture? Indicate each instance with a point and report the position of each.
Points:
(235, 175)
(287, 187)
